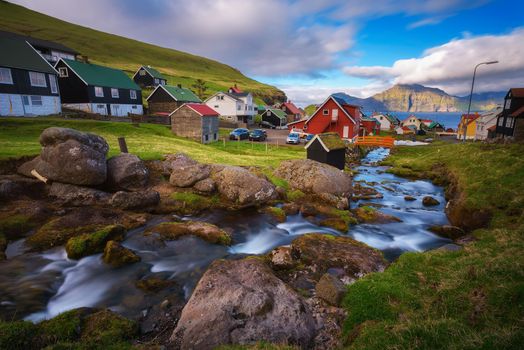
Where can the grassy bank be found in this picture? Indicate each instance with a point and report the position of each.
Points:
(470, 299)
(19, 137)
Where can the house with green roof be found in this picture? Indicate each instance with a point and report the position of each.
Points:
(28, 83)
(97, 89)
(166, 98)
(147, 76)
(275, 117)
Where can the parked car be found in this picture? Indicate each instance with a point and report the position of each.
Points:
(309, 137)
(239, 134)
(293, 138)
(257, 135)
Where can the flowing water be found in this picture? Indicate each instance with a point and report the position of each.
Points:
(36, 286)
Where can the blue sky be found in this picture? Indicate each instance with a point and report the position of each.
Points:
(311, 48)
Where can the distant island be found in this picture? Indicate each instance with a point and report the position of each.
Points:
(419, 98)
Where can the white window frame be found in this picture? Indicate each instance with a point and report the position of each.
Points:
(142, 72)
(157, 82)
(4, 74)
(37, 99)
(25, 100)
(325, 111)
(115, 93)
(53, 84)
(63, 72)
(132, 94)
(507, 104)
(509, 122)
(37, 79)
(99, 91)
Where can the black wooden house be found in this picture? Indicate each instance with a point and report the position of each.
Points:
(510, 123)
(327, 148)
(147, 76)
(97, 89)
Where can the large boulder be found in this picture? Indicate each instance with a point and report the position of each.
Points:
(188, 175)
(70, 156)
(15, 186)
(73, 195)
(242, 302)
(117, 255)
(127, 172)
(240, 186)
(322, 180)
(135, 200)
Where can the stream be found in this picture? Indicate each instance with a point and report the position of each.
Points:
(37, 286)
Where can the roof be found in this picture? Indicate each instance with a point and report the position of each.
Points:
(426, 120)
(202, 109)
(153, 72)
(39, 42)
(17, 53)
(177, 93)
(518, 112)
(435, 125)
(470, 118)
(292, 108)
(330, 141)
(235, 90)
(93, 74)
(278, 112)
(368, 119)
(492, 128)
(340, 102)
(517, 92)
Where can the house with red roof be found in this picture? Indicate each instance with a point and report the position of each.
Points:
(293, 113)
(334, 115)
(369, 126)
(233, 106)
(510, 122)
(196, 121)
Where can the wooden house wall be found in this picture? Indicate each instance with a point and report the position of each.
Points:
(336, 158)
(516, 103)
(144, 80)
(22, 84)
(72, 88)
(272, 118)
(187, 123)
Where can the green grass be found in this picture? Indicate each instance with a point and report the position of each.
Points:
(471, 299)
(19, 137)
(128, 55)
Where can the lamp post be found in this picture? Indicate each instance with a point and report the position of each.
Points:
(465, 126)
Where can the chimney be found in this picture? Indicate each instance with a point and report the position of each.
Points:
(83, 58)
(179, 86)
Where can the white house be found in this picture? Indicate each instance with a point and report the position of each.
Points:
(387, 122)
(412, 120)
(486, 121)
(234, 105)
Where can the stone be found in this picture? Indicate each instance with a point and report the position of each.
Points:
(93, 243)
(335, 223)
(206, 231)
(330, 289)
(429, 201)
(242, 302)
(372, 215)
(187, 176)
(448, 231)
(73, 195)
(282, 258)
(409, 198)
(70, 156)
(276, 213)
(127, 172)
(15, 186)
(135, 200)
(240, 186)
(291, 208)
(116, 255)
(205, 186)
(178, 160)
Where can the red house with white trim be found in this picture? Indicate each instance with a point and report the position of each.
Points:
(334, 115)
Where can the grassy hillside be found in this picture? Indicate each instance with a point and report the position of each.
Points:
(127, 54)
(19, 137)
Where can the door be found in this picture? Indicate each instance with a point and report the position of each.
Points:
(345, 132)
(101, 109)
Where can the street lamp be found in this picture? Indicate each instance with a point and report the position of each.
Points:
(465, 126)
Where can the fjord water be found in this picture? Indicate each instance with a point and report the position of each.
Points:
(37, 286)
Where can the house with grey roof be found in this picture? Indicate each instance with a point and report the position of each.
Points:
(234, 105)
(147, 76)
(28, 83)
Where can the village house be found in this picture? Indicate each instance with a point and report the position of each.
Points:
(49, 50)
(387, 122)
(486, 124)
(369, 126)
(147, 76)
(426, 122)
(510, 123)
(470, 122)
(412, 120)
(196, 121)
(436, 127)
(405, 130)
(234, 106)
(97, 89)
(28, 83)
(166, 98)
(292, 112)
(334, 115)
(275, 117)
(327, 148)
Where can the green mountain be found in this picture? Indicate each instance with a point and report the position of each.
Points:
(128, 54)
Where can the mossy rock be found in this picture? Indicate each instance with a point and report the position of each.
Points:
(154, 284)
(13, 226)
(174, 230)
(295, 195)
(371, 215)
(188, 203)
(107, 327)
(335, 223)
(116, 255)
(64, 328)
(93, 243)
(277, 213)
(18, 335)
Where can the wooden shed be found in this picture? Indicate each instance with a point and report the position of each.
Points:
(327, 148)
(166, 98)
(196, 121)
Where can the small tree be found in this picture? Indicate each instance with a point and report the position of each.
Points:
(200, 87)
(258, 119)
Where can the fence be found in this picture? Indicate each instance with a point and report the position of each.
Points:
(378, 141)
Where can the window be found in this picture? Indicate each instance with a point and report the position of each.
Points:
(142, 72)
(216, 136)
(507, 104)
(134, 107)
(99, 92)
(156, 81)
(25, 100)
(132, 94)
(36, 100)
(509, 122)
(114, 93)
(52, 84)
(239, 107)
(501, 121)
(206, 137)
(162, 82)
(5, 76)
(325, 111)
(37, 79)
(63, 72)
(217, 106)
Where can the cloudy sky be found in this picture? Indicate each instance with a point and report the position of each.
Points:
(311, 48)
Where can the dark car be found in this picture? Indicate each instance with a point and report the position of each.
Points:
(257, 135)
(239, 134)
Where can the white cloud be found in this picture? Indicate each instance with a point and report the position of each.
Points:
(450, 66)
